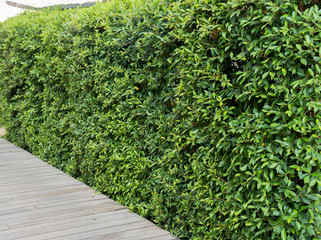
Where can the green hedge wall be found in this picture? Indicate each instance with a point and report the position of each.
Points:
(201, 115)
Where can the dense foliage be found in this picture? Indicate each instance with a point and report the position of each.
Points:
(202, 115)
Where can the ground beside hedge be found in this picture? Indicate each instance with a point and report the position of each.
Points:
(203, 116)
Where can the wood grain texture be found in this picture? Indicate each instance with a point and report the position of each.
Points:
(38, 202)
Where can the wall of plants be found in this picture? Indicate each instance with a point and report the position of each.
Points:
(203, 116)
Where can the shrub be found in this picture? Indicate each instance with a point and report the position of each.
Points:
(203, 115)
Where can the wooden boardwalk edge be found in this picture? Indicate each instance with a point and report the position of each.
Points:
(38, 202)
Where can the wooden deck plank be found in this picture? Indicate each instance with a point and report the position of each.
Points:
(56, 210)
(44, 231)
(4, 227)
(59, 191)
(26, 184)
(54, 218)
(12, 180)
(11, 155)
(50, 177)
(31, 189)
(18, 166)
(97, 230)
(99, 216)
(55, 202)
(38, 201)
(40, 192)
(3, 177)
(55, 197)
(113, 215)
(160, 238)
(52, 201)
(135, 234)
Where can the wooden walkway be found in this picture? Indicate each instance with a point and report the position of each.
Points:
(37, 201)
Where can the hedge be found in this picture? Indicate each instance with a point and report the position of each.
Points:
(202, 115)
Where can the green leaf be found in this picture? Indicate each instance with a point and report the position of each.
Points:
(311, 231)
(303, 61)
(272, 75)
(311, 72)
(313, 182)
(265, 75)
(283, 234)
(298, 225)
(273, 165)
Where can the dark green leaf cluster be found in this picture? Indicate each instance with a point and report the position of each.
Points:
(201, 115)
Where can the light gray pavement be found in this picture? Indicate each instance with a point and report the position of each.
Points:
(7, 11)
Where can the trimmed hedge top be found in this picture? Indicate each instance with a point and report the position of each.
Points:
(201, 115)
